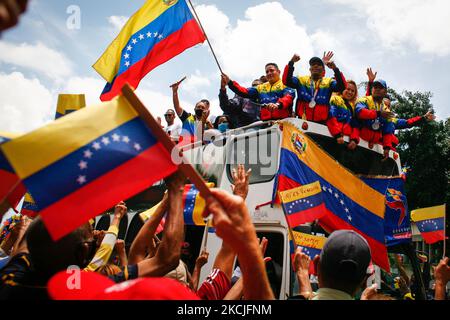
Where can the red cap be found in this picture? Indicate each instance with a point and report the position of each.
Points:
(93, 286)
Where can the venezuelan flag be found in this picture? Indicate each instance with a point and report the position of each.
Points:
(11, 190)
(350, 203)
(159, 31)
(311, 245)
(431, 223)
(29, 207)
(303, 204)
(68, 103)
(194, 205)
(74, 177)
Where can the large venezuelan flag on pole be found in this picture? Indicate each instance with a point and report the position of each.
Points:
(11, 190)
(74, 177)
(159, 31)
(350, 203)
(431, 223)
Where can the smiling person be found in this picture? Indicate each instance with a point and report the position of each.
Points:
(342, 119)
(277, 98)
(314, 91)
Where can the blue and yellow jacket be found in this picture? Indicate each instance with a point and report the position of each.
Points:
(368, 112)
(267, 93)
(305, 93)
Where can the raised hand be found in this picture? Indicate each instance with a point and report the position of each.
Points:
(372, 76)
(430, 116)
(225, 78)
(295, 58)
(202, 259)
(241, 181)
(327, 59)
(120, 210)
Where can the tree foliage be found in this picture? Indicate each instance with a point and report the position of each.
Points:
(425, 149)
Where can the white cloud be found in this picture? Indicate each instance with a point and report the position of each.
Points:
(37, 57)
(117, 22)
(196, 85)
(91, 87)
(423, 24)
(25, 105)
(245, 49)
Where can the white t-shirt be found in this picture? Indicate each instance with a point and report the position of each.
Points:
(173, 131)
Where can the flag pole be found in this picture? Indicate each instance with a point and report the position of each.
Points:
(205, 235)
(185, 167)
(206, 36)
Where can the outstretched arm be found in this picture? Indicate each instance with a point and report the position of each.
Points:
(233, 224)
(250, 93)
(143, 242)
(167, 255)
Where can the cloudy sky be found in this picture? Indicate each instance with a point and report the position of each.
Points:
(406, 41)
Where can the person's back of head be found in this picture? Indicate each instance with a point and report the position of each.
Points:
(48, 257)
(343, 262)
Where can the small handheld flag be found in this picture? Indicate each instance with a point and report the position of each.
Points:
(303, 204)
(431, 223)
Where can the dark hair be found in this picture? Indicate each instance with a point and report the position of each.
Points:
(205, 101)
(272, 64)
(49, 257)
(216, 122)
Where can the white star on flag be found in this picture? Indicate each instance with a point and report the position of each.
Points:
(83, 165)
(155, 34)
(116, 137)
(126, 139)
(149, 34)
(342, 202)
(105, 141)
(126, 55)
(350, 218)
(96, 146)
(129, 48)
(127, 63)
(134, 41)
(160, 36)
(346, 210)
(88, 154)
(137, 146)
(330, 190)
(324, 188)
(336, 196)
(141, 37)
(81, 179)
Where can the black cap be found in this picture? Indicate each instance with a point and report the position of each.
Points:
(345, 256)
(316, 60)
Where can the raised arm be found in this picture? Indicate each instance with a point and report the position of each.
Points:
(371, 79)
(442, 277)
(176, 101)
(143, 242)
(340, 83)
(199, 263)
(227, 105)
(167, 255)
(250, 93)
(233, 224)
(288, 74)
(105, 250)
(301, 267)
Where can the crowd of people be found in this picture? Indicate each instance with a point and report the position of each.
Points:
(89, 264)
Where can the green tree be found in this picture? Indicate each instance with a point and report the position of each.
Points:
(426, 149)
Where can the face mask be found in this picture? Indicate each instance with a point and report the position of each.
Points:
(199, 113)
(223, 127)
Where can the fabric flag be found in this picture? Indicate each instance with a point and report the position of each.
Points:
(431, 223)
(68, 103)
(311, 245)
(146, 215)
(194, 205)
(397, 222)
(159, 31)
(11, 190)
(74, 177)
(29, 207)
(303, 204)
(350, 203)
